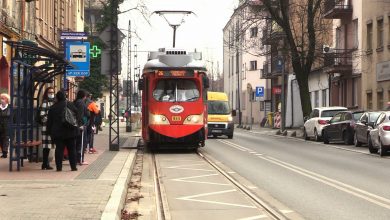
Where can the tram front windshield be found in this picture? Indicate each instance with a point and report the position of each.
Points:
(176, 90)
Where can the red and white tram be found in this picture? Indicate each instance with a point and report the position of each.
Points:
(174, 106)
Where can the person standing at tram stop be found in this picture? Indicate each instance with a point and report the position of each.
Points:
(47, 143)
(60, 134)
(4, 119)
(94, 110)
(83, 114)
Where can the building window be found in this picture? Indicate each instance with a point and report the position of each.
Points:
(253, 32)
(380, 33)
(355, 33)
(253, 65)
(369, 101)
(354, 91)
(369, 36)
(324, 97)
(262, 106)
(379, 100)
(316, 99)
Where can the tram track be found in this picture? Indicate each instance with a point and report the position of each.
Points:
(161, 202)
(271, 212)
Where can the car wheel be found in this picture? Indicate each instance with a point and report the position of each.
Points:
(305, 137)
(347, 138)
(325, 137)
(230, 136)
(382, 149)
(370, 147)
(316, 137)
(356, 142)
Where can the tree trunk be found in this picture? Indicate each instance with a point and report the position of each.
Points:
(302, 79)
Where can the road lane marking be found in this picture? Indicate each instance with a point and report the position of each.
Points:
(191, 198)
(259, 154)
(373, 198)
(186, 179)
(264, 216)
(187, 165)
(235, 145)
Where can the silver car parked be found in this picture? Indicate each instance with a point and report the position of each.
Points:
(379, 139)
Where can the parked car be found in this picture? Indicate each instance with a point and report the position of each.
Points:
(363, 127)
(317, 120)
(379, 139)
(341, 127)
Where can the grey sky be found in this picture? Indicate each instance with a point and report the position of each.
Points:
(203, 31)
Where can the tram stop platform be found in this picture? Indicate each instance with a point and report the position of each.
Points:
(95, 191)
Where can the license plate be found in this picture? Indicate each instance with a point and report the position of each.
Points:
(176, 118)
(216, 131)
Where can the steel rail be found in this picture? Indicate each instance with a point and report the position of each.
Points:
(157, 186)
(274, 214)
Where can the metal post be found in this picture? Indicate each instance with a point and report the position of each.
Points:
(114, 91)
(128, 84)
(174, 34)
(283, 107)
(251, 100)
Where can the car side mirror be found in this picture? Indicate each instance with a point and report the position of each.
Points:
(364, 122)
(206, 82)
(234, 113)
(305, 118)
(371, 124)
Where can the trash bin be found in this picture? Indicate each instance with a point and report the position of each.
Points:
(270, 119)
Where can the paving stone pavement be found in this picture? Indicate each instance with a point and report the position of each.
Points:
(33, 193)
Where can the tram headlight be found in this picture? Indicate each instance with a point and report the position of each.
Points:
(158, 119)
(194, 120)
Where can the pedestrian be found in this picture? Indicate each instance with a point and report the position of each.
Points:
(4, 119)
(83, 113)
(93, 112)
(98, 122)
(47, 143)
(60, 134)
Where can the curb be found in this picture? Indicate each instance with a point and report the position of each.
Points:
(114, 206)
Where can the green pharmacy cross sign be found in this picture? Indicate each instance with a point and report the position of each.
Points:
(95, 51)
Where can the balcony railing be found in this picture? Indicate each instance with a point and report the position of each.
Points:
(338, 61)
(272, 33)
(336, 9)
(270, 69)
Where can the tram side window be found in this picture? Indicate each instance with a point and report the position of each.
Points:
(176, 91)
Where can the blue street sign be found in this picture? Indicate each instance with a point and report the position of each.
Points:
(259, 91)
(77, 53)
(279, 64)
(74, 36)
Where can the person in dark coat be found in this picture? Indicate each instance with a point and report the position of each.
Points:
(60, 134)
(4, 119)
(82, 112)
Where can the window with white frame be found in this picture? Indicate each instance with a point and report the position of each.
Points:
(355, 33)
(369, 36)
(324, 97)
(253, 32)
(253, 65)
(380, 33)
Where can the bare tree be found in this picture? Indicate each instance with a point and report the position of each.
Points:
(305, 32)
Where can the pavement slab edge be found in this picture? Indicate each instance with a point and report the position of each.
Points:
(116, 201)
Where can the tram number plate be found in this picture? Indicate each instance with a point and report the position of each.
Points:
(176, 118)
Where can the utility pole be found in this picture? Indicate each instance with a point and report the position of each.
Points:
(128, 84)
(114, 91)
(135, 73)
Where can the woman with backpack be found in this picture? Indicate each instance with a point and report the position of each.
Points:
(62, 134)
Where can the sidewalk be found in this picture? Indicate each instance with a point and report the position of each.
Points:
(95, 191)
(290, 132)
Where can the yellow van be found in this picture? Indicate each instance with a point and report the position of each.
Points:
(220, 117)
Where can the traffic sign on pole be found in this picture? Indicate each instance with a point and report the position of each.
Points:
(279, 64)
(260, 91)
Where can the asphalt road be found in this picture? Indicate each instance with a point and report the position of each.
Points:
(315, 180)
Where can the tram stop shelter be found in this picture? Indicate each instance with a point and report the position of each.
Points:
(31, 68)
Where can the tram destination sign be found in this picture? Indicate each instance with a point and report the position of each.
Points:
(175, 73)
